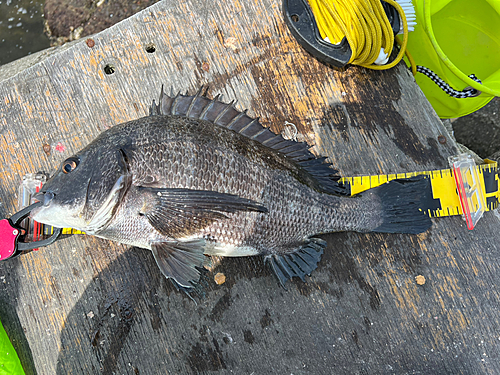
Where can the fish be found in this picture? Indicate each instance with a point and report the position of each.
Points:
(198, 178)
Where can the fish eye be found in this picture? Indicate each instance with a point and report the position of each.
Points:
(70, 165)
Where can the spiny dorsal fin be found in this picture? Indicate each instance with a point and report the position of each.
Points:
(226, 115)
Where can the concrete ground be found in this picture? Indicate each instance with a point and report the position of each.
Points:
(68, 20)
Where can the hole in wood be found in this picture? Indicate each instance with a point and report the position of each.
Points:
(295, 18)
(109, 69)
(150, 48)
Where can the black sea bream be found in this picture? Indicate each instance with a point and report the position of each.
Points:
(198, 178)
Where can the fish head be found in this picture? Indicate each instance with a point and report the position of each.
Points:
(86, 189)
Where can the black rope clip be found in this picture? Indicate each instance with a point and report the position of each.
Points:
(12, 235)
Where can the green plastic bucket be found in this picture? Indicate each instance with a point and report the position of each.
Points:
(9, 361)
(456, 38)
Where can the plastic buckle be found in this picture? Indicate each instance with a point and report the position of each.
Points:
(12, 237)
(9, 235)
(469, 188)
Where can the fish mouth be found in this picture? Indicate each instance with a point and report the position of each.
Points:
(50, 212)
(46, 197)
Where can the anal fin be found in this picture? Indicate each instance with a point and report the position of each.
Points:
(299, 263)
(179, 260)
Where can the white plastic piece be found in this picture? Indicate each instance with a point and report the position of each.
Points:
(411, 17)
(382, 58)
(31, 184)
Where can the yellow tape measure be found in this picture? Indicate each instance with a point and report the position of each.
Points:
(445, 191)
(71, 231)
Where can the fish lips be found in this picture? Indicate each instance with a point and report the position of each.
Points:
(45, 197)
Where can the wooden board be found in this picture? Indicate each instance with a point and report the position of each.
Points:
(88, 306)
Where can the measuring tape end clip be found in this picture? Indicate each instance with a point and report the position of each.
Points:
(469, 188)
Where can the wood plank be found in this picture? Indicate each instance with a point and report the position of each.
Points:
(88, 306)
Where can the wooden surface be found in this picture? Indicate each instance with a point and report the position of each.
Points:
(87, 306)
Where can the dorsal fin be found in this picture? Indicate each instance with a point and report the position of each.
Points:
(227, 116)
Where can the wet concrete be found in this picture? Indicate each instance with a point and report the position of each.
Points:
(21, 29)
(68, 20)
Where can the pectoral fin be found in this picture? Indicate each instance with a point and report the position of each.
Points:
(178, 260)
(182, 212)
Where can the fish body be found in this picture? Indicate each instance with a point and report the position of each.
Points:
(197, 177)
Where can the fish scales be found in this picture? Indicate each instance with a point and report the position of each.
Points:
(199, 178)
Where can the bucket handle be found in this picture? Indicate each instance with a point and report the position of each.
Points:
(445, 59)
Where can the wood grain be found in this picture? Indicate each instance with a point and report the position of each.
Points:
(87, 306)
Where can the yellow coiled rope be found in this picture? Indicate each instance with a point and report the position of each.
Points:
(364, 24)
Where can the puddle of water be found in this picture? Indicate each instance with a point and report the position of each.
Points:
(21, 29)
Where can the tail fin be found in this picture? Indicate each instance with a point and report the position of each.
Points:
(403, 202)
